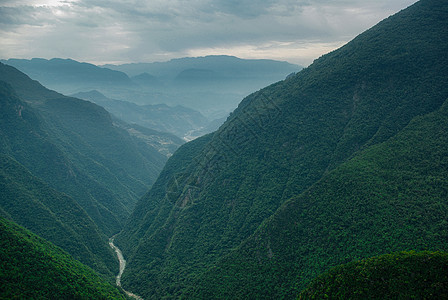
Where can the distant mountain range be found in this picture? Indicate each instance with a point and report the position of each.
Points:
(213, 85)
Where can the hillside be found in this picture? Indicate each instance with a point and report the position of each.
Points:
(75, 147)
(214, 84)
(67, 172)
(227, 66)
(53, 216)
(404, 275)
(221, 206)
(32, 268)
(390, 197)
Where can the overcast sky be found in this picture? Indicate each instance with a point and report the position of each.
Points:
(121, 31)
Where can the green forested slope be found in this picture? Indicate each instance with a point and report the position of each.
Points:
(31, 202)
(67, 172)
(276, 145)
(32, 268)
(74, 147)
(403, 275)
(390, 197)
(52, 215)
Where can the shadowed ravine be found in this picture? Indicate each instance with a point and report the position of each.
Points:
(121, 269)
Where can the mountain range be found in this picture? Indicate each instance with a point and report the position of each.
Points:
(342, 161)
(212, 85)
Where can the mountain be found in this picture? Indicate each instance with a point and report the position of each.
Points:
(178, 120)
(403, 275)
(68, 76)
(69, 172)
(99, 164)
(333, 164)
(32, 268)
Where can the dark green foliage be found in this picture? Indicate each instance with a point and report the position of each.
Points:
(224, 225)
(403, 275)
(74, 147)
(390, 197)
(66, 171)
(52, 215)
(32, 268)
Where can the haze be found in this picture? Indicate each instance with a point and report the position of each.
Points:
(121, 31)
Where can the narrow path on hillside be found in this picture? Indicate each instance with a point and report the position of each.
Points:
(121, 269)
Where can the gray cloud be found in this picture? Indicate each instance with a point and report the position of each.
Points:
(131, 30)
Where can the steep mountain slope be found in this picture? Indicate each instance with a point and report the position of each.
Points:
(74, 146)
(390, 197)
(403, 275)
(276, 145)
(32, 268)
(52, 215)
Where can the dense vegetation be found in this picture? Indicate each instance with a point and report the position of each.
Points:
(32, 268)
(67, 171)
(403, 275)
(390, 197)
(315, 171)
(74, 146)
(52, 215)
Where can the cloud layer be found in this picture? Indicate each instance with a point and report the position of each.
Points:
(121, 31)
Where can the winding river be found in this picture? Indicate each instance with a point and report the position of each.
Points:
(121, 269)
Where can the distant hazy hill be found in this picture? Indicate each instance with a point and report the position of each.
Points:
(69, 76)
(403, 275)
(343, 161)
(177, 120)
(32, 268)
(227, 66)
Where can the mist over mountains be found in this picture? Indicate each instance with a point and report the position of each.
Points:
(193, 95)
(331, 181)
(213, 85)
(178, 120)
